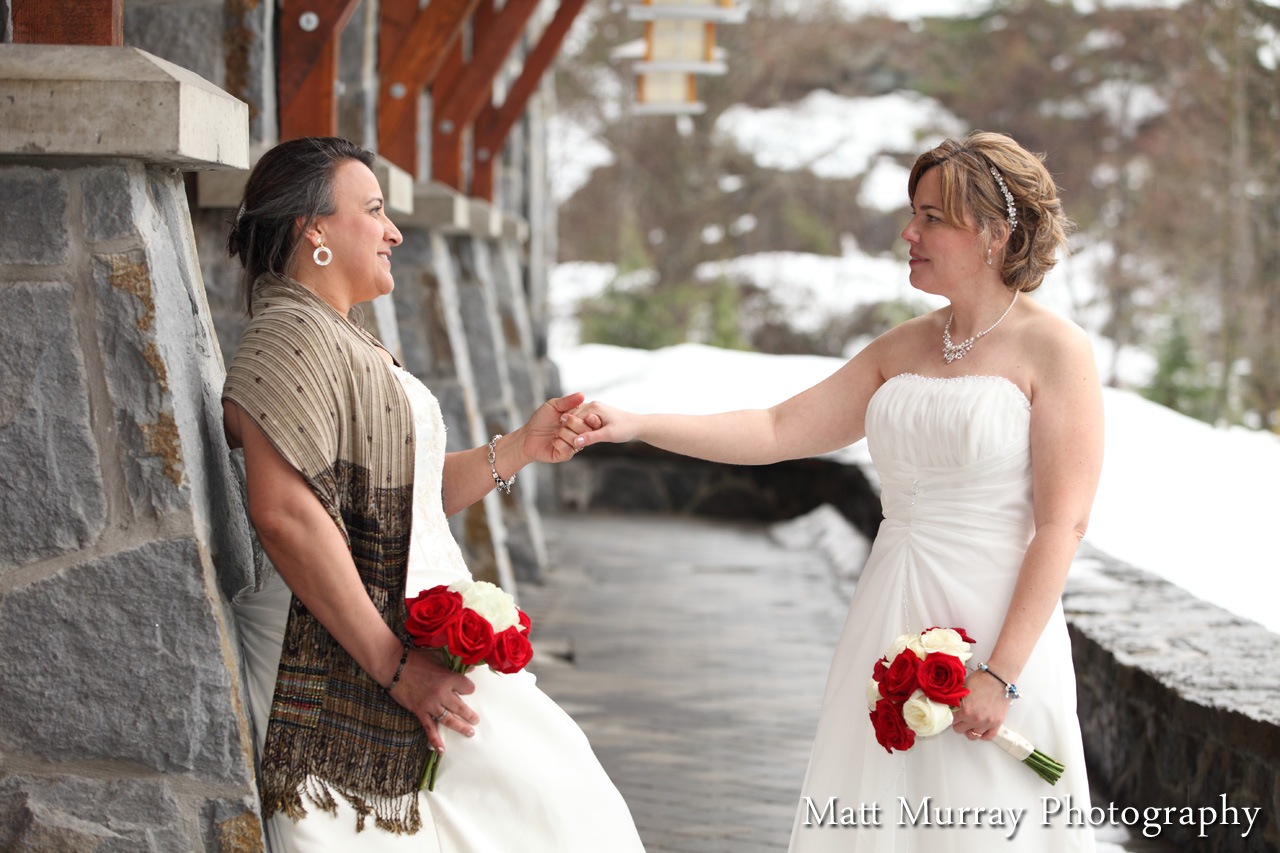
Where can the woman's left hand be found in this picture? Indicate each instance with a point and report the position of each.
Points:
(546, 436)
(982, 712)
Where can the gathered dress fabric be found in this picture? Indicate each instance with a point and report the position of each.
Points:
(527, 781)
(954, 460)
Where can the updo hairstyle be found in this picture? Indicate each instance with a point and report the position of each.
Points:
(292, 184)
(971, 196)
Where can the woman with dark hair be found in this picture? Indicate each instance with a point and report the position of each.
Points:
(349, 488)
(984, 421)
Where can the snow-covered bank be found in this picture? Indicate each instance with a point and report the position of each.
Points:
(1178, 498)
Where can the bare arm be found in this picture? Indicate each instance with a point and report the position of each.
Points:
(826, 417)
(543, 438)
(311, 556)
(1066, 454)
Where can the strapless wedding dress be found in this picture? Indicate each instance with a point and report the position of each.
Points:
(528, 781)
(954, 460)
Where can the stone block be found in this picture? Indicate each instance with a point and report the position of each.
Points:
(34, 226)
(486, 220)
(80, 815)
(188, 34)
(231, 827)
(109, 210)
(397, 187)
(436, 205)
(137, 377)
(72, 100)
(51, 491)
(248, 44)
(123, 658)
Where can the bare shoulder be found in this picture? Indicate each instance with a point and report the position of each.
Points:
(1061, 352)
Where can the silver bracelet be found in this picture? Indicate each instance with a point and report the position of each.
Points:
(505, 485)
(1010, 690)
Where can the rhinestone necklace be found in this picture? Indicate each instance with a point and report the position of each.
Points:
(950, 351)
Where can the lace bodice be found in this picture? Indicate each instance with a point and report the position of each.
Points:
(434, 556)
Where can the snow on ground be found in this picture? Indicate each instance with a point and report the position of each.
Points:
(1178, 497)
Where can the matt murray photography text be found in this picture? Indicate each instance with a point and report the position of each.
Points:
(1150, 820)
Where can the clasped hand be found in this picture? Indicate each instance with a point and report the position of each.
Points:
(982, 712)
(434, 694)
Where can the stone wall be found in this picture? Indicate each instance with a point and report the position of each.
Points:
(639, 478)
(1179, 704)
(123, 726)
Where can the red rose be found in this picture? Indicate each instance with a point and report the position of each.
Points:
(525, 622)
(878, 671)
(941, 677)
(430, 615)
(511, 650)
(900, 680)
(470, 637)
(964, 636)
(892, 731)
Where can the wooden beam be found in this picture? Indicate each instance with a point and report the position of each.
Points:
(87, 22)
(306, 27)
(459, 107)
(313, 108)
(446, 147)
(494, 123)
(413, 66)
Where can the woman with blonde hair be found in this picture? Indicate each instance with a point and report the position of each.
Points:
(984, 421)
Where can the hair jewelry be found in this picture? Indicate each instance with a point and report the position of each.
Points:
(1012, 213)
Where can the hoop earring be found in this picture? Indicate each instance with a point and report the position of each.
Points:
(328, 255)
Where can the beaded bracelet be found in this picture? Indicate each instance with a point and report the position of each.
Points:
(1010, 690)
(404, 657)
(505, 485)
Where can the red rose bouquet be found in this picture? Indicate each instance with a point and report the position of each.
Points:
(471, 623)
(915, 687)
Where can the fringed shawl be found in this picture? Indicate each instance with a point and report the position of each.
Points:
(317, 387)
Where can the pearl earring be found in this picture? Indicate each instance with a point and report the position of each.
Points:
(988, 257)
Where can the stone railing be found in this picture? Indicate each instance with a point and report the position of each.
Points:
(1179, 704)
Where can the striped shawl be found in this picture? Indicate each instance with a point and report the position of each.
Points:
(317, 387)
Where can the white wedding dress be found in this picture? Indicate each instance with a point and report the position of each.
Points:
(954, 460)
(527, 781)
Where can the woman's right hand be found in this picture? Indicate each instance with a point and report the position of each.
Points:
(595, 422)
(434, 694)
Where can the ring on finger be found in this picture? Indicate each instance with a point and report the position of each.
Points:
(444, 712)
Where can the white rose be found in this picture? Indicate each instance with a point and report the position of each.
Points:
(873, 694)
(491, 602)
(906, 641)
(924, 716)
(947, 641)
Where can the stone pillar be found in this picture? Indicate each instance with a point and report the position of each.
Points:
(358, 77)
(123, 724)
(438, 350)
(489, 359)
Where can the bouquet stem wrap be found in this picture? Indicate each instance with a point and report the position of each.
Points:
(1049, 769)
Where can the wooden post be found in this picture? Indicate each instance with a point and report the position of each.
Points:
(458, 107)
(494, 123)
(309, 31)
(85, 22)
(410, 59)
